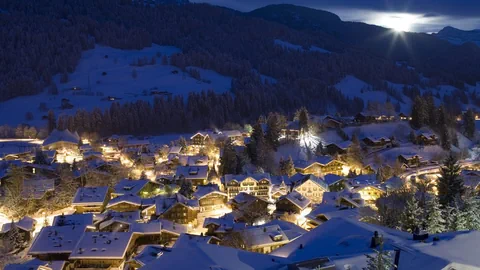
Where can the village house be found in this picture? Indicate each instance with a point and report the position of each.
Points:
(185, 160)
(425, 138)
(125, 203)
(55, 243)
(375, 143)
(176, 208)
(59, 139)
(25, 226)
(341, 148)
(89, 220)
(102, 250)
(221, 226)
(364, 118)
(255, 184)
(210, 198)
(112, 221)
(198, 175)
(309, 186)
(335, 182)
(247, 201)
(320, 166)
(200, 139)
(141, 187)
(279, 190)
(291, 131)
(404, 117)
(471, 179)
(332, 122)
(91, 199)
(411, 160)
(369, 193)
(39, 170)
(263, 239)
(325, 212)
(293, 203)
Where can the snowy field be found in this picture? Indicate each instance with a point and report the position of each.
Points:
(9, 146)
(112, 76)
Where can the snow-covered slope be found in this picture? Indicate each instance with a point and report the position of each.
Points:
(458, 37)
(108, 73)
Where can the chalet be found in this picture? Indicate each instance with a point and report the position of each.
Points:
(140, 188)
(176, 208)
(320, 166)
(61, 139)
(381, 142)
(338, 148)
(147, 233)
(210, 198)
(36, 264)
(118, 221)
(87, 220)
(410, 160)
(325, 212)
(425, 138)
(91, 199)
(102, 250)
(55, 243)
(45, 171)
(263, 239)
(200, 138)
(404, 117)
(332, 122)
(244, 200)
(309, 186)
(125, 203)
(193, 160)
(222, 225)
(134, 144)
(174, 152)
(198, 175)
(471, 179)
(335, 182)
(279, 190)
(258, 185)
(293, 202)
(146, 255)
(369, 193)
(343, 199)
(364, 118)
(25, 226)
(291, 131)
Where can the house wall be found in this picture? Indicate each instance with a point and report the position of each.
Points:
(319, 170)
(259, 189)
(124, 207)
(285, 205)
(212, 201)
(311, 190)
(181, 214)
(80, 209)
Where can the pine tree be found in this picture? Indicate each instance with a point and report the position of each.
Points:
(303, 119)
(183, 143)
(228, 161)
(472, 210)
(320, 150)
(418, 113)
(381, 260)
(469, 123)
(450, 184)
(52, 121)
(289, 166)
(410, 217)
(459, 219)
(445, 139)
(273, 130)
(412, 137)
(186, 189)
(15, 238)
(435, 222)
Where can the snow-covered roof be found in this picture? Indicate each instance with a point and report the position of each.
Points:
(291, 230)
(56, 239)
(205, 190)
(196, 238)
(245, 198)
(192, 172)
(148, 254)
(36, 264)
(127, 186)
(128, 198)
(330, 211)
(172, 228)
(453, 250)
(90, 196)
(393, 183)
(61, 136)
(86, 219)
(342, 145)
(26, 224)
(231, 133)
(152, 227)
(225, 223)
(264, 235)
(102, 245)
(193, 160)
(298, 179)
(331, 179)
(297, 199)
(364, 180)
(339, 237)
(175, 150)
(242, 177)
(164, 203)
(207, 256)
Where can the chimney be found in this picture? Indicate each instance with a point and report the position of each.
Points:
(376, 241)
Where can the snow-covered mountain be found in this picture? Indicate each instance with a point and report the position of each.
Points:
(458, 37)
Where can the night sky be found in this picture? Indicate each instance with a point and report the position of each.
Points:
(408, 15)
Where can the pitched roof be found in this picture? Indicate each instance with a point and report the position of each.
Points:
(192, 172)
(297, 199)
(339, 237)
(164, 203)
(242, 177)
(128, 198)
(207, 256)
(74, 219)
(108, 245)
(90, 195)
(127, 186)
(298, 179)
(331, 179)
(26, 224)
(56, 239)
(61, 136)
(205, 190)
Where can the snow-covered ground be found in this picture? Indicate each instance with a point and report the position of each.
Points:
(118, 82)
(289, 46)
